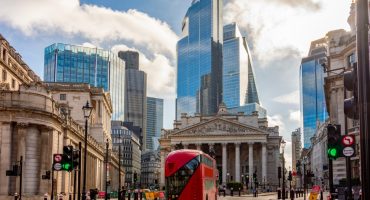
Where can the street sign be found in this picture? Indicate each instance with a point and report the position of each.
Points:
(57, 166)
(348, 140)
(57, 157)
(348, 151)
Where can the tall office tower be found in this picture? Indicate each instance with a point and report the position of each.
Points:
(313, 106)
(199, 59)
(154, 122)
(131, 58)
(97, 67)
(238, 84)
(135, 93)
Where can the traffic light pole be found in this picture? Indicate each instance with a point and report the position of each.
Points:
(20, 177)
(52, 184)
(331, 186)
(106, 171)
(348, 159)
(79, 172)
(363, 91)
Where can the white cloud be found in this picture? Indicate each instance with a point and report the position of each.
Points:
(276, 120)
(295, 115)
(291, 98)
(95, 23)
(288, 154)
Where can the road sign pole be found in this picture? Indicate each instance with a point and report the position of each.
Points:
(52, 183)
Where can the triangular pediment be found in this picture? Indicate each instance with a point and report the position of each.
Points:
(218, 126)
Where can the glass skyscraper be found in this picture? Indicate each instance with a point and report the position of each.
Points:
(154, 121)
(135, 92)
(313, 104)
(97, 67)
(199, 59)
(238, 84)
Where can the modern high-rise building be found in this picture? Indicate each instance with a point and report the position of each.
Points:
(199, 59)
(154, 122)
(238, 83)
(131, 58)
(97, 67)
(135, 93)
(312, 76)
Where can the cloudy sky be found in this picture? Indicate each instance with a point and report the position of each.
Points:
(279, 34)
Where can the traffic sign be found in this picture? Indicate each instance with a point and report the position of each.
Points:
(348, 151)
(57, 166)
(348, 140)
(57, 158)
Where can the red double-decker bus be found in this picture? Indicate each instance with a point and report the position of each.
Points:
(190, 175)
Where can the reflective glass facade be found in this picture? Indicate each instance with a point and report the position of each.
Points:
(154, 121)
(199, 59)
(97, 67)
(248, 109)
(312, 96)
(238, 82)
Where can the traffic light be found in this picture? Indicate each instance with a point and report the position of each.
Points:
(75, 159)
(334, 142)
(67, 161)
(135, 177)
(350, 83)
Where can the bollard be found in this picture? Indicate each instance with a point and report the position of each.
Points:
(129, 195)
(16, 196)
(279, 193)
(239, 191)
(232, 191)
(224, 192)
(292, 194)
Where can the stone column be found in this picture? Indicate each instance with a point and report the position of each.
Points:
(31, 169)
(211, 147)
(186, 145)
(46, 159)
(5, 152)
(224, 164)
(237, 161)
(264, 163)
(250, 144)
(162, 175)
(199, 146)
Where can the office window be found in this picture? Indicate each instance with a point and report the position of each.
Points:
(63, 97)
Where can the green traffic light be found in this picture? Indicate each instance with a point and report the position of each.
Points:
(333, 152)
(66, 166)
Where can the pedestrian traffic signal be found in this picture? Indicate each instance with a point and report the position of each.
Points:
(67, 161)
(350, 84)
(334, 141)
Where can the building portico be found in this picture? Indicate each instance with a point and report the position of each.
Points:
(241, 144)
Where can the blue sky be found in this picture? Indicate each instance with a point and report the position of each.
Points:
(279, 32)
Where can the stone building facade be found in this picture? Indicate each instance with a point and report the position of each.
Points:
(243, 144)
(13, 71)
(33, 125)
(150, 168)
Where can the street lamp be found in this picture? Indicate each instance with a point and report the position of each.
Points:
(282, 146)
(87, 112)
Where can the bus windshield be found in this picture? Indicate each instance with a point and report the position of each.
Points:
(177, 181)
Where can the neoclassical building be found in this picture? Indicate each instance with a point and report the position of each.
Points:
(33, 125)
(242, 144)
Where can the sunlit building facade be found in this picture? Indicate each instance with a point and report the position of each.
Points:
(79, 64)
(199, 59)
(313, 104)
(238, 83)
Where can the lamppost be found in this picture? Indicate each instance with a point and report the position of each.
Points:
(87, 112)
(119, 166)
(304, 161)
(283, 174)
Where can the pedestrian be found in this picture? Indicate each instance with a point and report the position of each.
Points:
(123, 193)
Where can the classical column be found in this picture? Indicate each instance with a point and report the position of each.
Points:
(162, 175)
(5, 156)
(250, 144)
(46, 158)
(31, 169)
(186, 145)
(211, 147)
(264, 163)
(237, 161)
(199, 146)
(224, 164)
